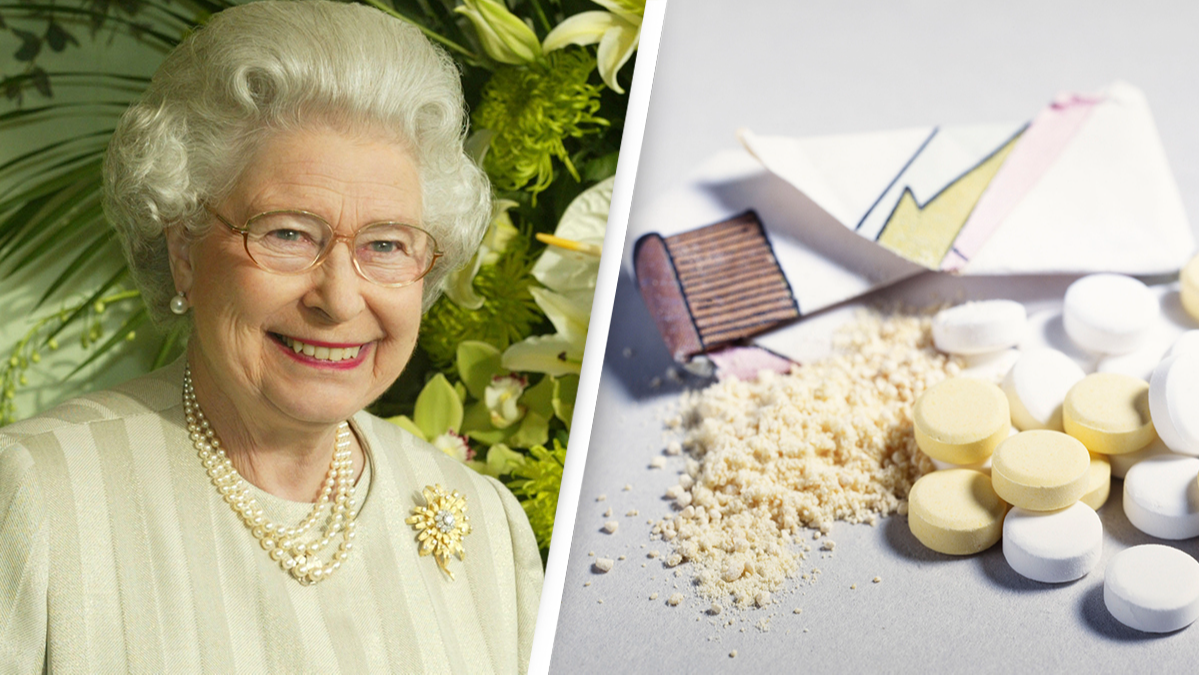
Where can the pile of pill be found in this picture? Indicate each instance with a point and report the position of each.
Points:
(1028, 461)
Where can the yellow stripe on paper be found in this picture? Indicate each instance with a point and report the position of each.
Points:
(925, 235)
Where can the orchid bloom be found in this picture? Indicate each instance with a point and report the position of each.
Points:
(618, 31)
(504, 37)
(500, 232)
(501, 398)
(455, 446)
(570, 280)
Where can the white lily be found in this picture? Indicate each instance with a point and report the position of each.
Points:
(618, 31)
(500, 232)
(570, 280)
(504, 36)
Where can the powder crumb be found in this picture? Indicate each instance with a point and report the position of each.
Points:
(608, 512)
(830, 441)
(853, 586)
(603, 565)
(654, 595)
(601, 498)
(673, 560)
(733, 654)
(877, 579)
(805, 630)
(762, 598)
(763, 626)
(675, 599)
(658, 462)
(643, 564)
(652, 554)
(610, 526)
(828, 545)
(600, 601)
(587, 583)
(797, 610)
(627, 487)
(715, 609)
(631, 512)
(620, 557)
(674, 448)
(592, 553)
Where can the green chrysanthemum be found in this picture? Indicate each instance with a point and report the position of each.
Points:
(509, 313)
(531, 110)
(536, 483)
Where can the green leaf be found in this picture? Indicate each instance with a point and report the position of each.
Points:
(477, 362)
(534, 430)
(501, 460)
(51, 243)
(31, 45)
(79, 311)
(461, 391)
(408, 425)
(565, 388)
(539, 398)
(90, 250)
(58, 38)
(600, 168)
(438, 408)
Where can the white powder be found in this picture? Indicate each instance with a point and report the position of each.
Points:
(830, 441)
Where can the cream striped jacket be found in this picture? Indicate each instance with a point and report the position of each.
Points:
(118, 555)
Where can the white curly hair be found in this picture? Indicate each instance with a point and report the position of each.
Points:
(266, 67)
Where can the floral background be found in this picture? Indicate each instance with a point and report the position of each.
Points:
(494, 377)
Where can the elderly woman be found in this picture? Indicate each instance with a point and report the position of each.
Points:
(293, 186)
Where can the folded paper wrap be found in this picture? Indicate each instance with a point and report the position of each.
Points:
(1082, 187)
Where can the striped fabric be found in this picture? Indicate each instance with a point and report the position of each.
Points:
(118, 555)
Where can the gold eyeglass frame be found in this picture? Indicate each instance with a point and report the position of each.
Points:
(244, 230)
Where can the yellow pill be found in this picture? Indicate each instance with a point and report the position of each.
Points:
(955, 511)
(961, 420)
(1109, 413)
(1041, 470)
(1189, 276)
(1099, 482)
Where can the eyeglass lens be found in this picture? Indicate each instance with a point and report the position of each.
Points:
(387, 253)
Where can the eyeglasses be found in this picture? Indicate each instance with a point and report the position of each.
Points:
(290, 242)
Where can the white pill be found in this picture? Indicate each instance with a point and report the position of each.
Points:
(1036, 387)
(1189, 339)
(1053, 546)
(1140, 362)
(990, 367)
(1175, 400)
(1108, 313)
(1161, 496)
(1121, 464)
(1152, 588)
(979, 327)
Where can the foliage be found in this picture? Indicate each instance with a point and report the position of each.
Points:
(546, 127)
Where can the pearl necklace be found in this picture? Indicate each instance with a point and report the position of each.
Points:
(283, 544)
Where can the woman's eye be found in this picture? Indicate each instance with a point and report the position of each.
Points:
(286, 235)
(386, 247)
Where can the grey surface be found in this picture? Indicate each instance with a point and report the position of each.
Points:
(810, 68)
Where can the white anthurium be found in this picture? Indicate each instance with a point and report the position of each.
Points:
(502, 399)
(570, 280)
(459, 283)
(618, 32)
(454, 445)
(504, 37)
(584, 221)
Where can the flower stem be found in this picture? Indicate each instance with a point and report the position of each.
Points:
(537, 7)
(432, 35)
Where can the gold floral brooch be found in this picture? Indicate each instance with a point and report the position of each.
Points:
(441, 525)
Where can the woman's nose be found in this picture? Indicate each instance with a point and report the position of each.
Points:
(337, 286)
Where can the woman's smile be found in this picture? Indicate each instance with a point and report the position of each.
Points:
(318, 354)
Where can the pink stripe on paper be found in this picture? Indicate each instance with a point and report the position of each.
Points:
(1043, 141)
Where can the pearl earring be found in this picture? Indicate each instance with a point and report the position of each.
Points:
(179, 303)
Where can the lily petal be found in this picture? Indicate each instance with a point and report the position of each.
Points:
(585, 28)
(570, 316)
(616, 47)
(630, 10)
(551, 354)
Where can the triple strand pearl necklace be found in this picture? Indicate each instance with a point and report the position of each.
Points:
(295, 553)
